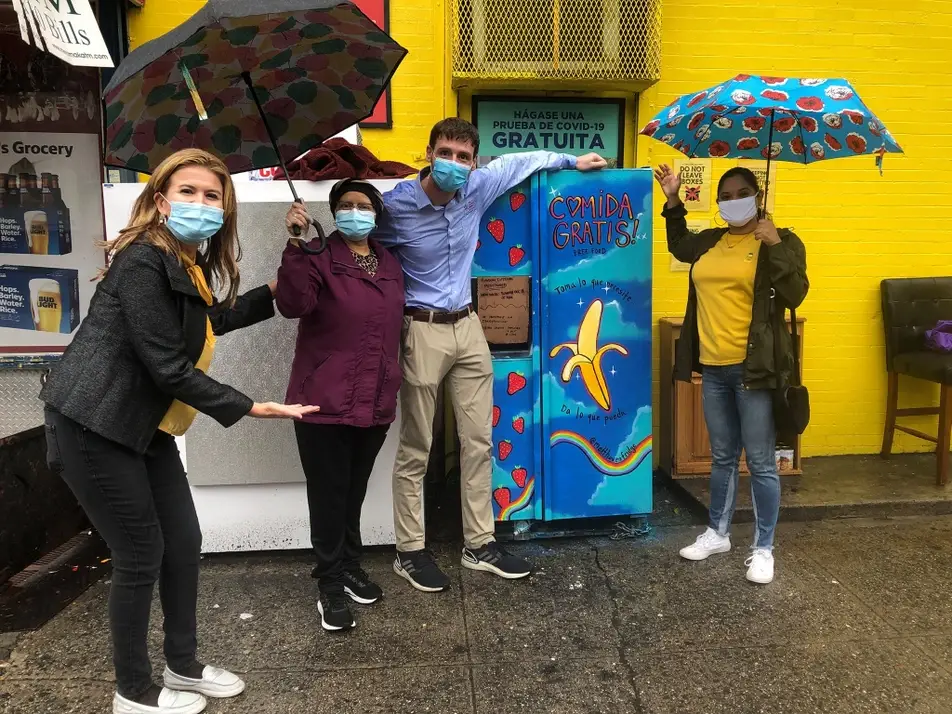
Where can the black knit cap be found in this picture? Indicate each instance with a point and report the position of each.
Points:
(352, 184)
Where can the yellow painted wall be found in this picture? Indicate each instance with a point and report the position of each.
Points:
(858, 227)
(420, 95)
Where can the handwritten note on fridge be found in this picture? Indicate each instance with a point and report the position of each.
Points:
(503, 308)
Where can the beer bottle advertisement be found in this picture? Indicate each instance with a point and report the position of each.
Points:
(51, 215)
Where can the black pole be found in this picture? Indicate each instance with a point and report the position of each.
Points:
(274, 144)
(763, 212)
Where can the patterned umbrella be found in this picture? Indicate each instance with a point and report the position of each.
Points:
(258, 82)
(773, 118)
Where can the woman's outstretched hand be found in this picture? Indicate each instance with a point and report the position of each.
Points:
(273, 410)
(670, 182)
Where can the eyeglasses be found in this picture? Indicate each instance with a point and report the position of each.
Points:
(359, 206)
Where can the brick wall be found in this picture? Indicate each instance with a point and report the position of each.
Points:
(858, 227)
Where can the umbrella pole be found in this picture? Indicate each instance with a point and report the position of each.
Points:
(274, 144)
(763, 211)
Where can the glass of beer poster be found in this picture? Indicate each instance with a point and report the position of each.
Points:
(46, 303)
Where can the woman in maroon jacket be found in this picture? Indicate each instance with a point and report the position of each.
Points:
(350, 302)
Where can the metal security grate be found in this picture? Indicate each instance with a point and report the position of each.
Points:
(568, 40)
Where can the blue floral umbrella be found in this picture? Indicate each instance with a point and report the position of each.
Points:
(773, 118)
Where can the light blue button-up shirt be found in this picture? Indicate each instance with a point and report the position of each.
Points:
(436, 244)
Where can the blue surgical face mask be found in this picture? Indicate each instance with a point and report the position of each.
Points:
(449, 175)
(194, 223)
(355, 225)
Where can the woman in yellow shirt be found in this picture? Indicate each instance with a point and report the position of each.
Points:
(742, 280)
(133, 379)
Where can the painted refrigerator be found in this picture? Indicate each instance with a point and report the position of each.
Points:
(562, 284)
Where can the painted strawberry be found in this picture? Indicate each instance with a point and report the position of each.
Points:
(479, 244)
(773, 80)
(517, 381)
(718, 148)
(516, 253)
(502, 497)
(497, 412)
(519, 425)
(519, 475)
(810, 104)
(516, 199)
(505, 448)
(796, 146)
(497, 229)
(748, 144)
(766, 112)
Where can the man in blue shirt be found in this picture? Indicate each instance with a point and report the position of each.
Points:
(431, 224)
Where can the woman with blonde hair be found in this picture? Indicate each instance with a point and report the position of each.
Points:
(130, 382)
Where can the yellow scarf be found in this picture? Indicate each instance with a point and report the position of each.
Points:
(180, 416)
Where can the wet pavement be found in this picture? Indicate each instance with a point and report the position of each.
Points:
(859, 619)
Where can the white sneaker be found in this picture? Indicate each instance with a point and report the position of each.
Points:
(169, 703)
(760, 566)
(707, 544)
(215, 683)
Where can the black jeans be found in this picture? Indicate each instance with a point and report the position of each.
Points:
(142, 507)
(337, 462)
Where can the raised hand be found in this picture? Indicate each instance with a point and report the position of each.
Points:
(670, 182)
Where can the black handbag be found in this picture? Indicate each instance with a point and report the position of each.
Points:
(791, 405)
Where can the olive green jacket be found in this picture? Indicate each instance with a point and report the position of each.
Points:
(780, 284)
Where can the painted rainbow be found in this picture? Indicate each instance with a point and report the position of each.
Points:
(608, 467)
(506, 513)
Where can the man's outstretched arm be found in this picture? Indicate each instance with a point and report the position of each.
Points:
(510, 170)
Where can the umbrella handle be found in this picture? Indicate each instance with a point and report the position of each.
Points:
(321, 238)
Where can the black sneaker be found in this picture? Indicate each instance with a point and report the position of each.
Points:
(335, 614)
(360, 588)
(493, 558)
(419, 568)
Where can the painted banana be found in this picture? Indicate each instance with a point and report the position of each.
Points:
(587, 356)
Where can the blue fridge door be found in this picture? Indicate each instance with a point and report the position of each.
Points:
(505, 263)
(594, 236)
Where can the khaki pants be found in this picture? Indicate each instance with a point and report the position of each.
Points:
(459, 353)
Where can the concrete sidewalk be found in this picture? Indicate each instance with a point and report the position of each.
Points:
(858, 620)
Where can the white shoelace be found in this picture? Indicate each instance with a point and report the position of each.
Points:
(708, 539)
(761, 554)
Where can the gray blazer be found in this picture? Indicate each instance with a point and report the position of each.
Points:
(136, 350)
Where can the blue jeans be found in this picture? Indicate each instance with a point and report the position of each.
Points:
(739, 418)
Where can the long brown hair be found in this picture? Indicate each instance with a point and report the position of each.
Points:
(223, 252)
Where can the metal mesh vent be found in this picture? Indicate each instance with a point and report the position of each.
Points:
(569, 40)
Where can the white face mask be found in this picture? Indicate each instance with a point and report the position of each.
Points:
(739, 212)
